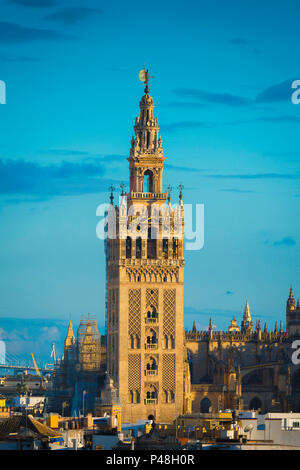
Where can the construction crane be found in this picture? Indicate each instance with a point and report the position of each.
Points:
(35, 365)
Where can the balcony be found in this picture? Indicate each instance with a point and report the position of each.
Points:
(151, 346)
(151, 320)
(150, 401)
(151, 372)
(139, 195)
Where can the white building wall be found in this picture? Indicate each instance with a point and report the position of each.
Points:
(278, 427)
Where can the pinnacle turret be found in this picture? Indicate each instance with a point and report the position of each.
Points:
(70, 338)
(281, 327)
(291, 304)
(247, 324)
(247, 314)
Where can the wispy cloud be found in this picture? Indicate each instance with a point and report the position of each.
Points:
(255, 176)
(238, 41)
(65, 152)
(35, 3)
(175, 126)
(278, 92)
(12, 33)
(71, 15)
(89, 156)
(217, 98)
(183, 168)
(285, 241)
(29, 179)
(240, 191)
(270, 119)
(18, 58)
(186, 104)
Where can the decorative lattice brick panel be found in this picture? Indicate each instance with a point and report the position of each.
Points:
(134, 372)
(168, 372)
(134, 309)
(169, 312)
(152, 298)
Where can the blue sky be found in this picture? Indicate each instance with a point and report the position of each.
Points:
(222, 90)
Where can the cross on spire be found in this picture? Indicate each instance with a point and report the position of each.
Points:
(180, 187)
(122, 186)
(111, 188)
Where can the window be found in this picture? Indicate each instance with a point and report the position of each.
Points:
(165, 246)
(139, 248)
(148, 182)
(175, 247)
(151, 244)
(128, 247)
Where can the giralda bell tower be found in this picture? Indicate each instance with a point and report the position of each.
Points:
(145, 281)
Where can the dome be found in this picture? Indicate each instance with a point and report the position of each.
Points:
(147, 100)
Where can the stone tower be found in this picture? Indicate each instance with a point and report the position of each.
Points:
(145, 280)
(292, 315)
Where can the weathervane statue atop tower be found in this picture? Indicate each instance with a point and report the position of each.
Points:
(144, 77)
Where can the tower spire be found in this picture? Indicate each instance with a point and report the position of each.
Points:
(70, 338)
(146, 152)
(247, 324)
(291, 304)
(247, 314)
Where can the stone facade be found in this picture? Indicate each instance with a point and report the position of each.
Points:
(245, 367)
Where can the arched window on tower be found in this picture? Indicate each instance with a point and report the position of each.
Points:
(175, 247)
(128, 247)
(138, 248)
(165, 247)
(151, 366)
(151, 244)
(148, 182)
